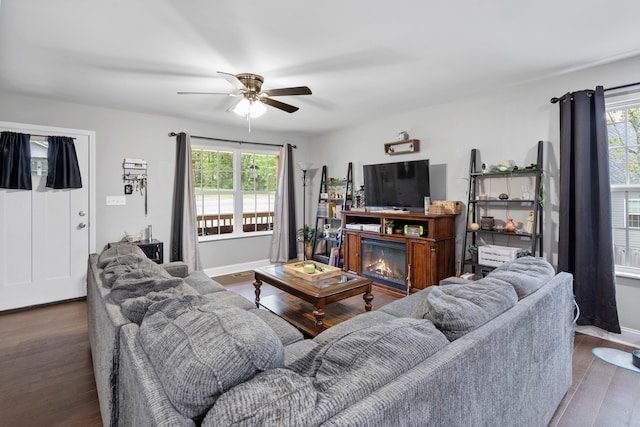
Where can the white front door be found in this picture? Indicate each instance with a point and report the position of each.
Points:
(45, 234)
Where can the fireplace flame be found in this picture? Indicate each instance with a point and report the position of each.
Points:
(380, 269)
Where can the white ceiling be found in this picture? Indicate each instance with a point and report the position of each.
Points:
(361, 59)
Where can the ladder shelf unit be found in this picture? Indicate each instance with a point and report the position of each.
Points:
(335, 196)
(486, 213)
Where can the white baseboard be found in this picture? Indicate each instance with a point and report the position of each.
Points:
(235, 268)
(630, 337)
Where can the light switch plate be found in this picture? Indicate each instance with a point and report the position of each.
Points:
(116, 200)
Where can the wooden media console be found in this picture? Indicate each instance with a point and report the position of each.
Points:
(420, 250)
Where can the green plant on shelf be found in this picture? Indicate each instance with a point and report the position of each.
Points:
(473, 249)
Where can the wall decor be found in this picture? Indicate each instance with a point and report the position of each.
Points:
(402, 147)
(134, 176)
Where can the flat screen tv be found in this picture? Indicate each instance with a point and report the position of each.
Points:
(400, 185)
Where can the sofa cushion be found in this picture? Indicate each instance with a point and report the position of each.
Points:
(176, 268)
(141, 282)
(457, 310)
(331, 377)
(526, 274)
(230, 298)
(364, 359)
(278, 397)
(115, 251)
(202, 283)
(200, 349)
(127, 259)
(297, 350)
(407, 306)
(287, 333)
(135, 308)
(361, 321)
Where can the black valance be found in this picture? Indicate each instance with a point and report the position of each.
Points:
(15, 161)
(64, 171)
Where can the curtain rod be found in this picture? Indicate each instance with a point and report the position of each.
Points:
(233, 140)
(47, 136)
(555, 100)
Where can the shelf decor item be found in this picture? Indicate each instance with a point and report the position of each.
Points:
(510, 227)
(473, 250)
(487, 223)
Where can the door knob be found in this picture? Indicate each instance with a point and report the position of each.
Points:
(82, 225)
(82, 213)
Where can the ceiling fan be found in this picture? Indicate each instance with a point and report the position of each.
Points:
(253, 97)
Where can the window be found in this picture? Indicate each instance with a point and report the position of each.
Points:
(39, 161)
(235, 190)
(623, 128)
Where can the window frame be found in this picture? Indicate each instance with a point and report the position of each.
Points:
(629, 192)
(238, 192)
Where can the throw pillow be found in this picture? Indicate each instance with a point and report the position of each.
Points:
(353, 366)
(457, 310)
(526, 274)
(200, 349)
(278, 397)
(139, 283)
(116, 251)
(135, 308)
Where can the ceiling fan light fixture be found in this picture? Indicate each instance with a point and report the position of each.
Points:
(251, 108)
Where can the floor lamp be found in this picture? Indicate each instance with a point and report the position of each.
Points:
(304, 167)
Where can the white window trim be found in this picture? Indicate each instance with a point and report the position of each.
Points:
(237, 192)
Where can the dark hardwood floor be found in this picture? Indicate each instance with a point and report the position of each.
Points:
(46, 376)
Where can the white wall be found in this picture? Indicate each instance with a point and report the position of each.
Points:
(504, 124)
(121, 134)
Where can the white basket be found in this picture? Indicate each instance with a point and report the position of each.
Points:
(495, 256)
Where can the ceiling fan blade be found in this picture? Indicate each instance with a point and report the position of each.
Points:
(206, 93)
(280, 105)
(231, 78)
(299, 90)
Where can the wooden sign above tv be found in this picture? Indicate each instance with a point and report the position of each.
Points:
(402, 147)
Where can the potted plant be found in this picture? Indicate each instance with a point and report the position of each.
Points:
(473, 250)
(306, 234)
(388, 226)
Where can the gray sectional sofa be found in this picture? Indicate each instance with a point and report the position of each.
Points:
(176, 349)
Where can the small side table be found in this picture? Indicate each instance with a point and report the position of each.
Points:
(153, 249)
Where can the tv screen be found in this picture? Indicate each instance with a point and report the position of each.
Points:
(401, 185)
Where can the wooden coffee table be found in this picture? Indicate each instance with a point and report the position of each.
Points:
(319, 293)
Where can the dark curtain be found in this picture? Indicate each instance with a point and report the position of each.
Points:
(291, 206)
(585, 246)
(15, 161)
(178, 198)
(62, 160)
